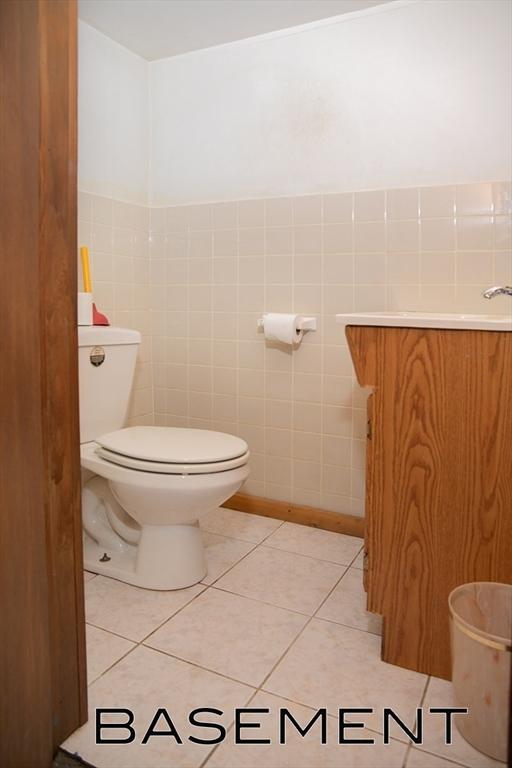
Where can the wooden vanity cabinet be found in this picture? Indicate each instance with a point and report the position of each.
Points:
(439, 478)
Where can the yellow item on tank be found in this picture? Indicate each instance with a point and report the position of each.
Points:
(86, 271)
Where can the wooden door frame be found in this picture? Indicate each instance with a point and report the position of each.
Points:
(43, 697)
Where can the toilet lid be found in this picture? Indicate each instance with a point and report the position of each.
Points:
(166, 468)
(172, 445)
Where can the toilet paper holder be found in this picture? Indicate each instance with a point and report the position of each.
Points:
(304, 323)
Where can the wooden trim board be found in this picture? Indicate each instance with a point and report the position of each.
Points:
(295, 513)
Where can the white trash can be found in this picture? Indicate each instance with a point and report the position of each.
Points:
(481, 634)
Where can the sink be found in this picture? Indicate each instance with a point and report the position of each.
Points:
(428, 320)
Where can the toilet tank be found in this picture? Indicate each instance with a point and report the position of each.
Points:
(106, 365)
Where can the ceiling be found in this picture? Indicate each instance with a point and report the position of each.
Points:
(156, 29)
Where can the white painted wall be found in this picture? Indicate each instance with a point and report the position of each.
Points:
(403, 95)
(112, 118)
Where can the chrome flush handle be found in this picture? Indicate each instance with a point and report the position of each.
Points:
(497, 290)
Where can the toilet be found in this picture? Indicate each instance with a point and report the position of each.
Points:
(144, 489)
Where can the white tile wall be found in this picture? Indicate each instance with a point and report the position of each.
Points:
(210, 272)
(117, 235)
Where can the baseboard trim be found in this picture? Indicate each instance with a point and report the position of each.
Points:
(296, 513)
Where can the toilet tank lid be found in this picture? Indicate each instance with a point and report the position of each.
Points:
(106, 335)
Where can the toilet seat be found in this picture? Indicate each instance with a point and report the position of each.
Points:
(170, 469)
(172, 450)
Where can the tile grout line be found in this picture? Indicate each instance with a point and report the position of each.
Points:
(141, 642)
(206, 587)
(310, 619)
(288, 648)
(262, 543)
(259, 688)
(113, 663)
(312, 708)
(256, 545)
(213, 584)
(309, 707)
(168, 618)
(198, 666)
(409, 748)
(311, 557)
(221, 575)
(226, 591)
(228, 730)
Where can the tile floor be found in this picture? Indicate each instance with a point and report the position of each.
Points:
(279, 621)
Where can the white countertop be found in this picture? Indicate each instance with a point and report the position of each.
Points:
(428, 320)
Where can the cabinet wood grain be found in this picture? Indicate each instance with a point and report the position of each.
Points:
(439, 479)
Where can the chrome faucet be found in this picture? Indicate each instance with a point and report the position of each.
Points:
(490, 293)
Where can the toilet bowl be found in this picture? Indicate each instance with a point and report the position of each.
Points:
(146, 488)
(142, 523)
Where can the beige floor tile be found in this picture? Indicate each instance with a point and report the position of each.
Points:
(418, 759)
(347, 604)
(283, 578)
(439, 694)
(300, 752)
(334, 666)
(222, 553)
(88, 575)
(130, 611)
(142, 682)
(103, 650)
(229, 634)
(239, 525)
(324, 545)
(359, 561)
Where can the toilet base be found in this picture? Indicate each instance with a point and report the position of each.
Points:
(166, 557)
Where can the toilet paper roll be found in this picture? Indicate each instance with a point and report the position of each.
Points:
(282, 327)
(84, 308)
